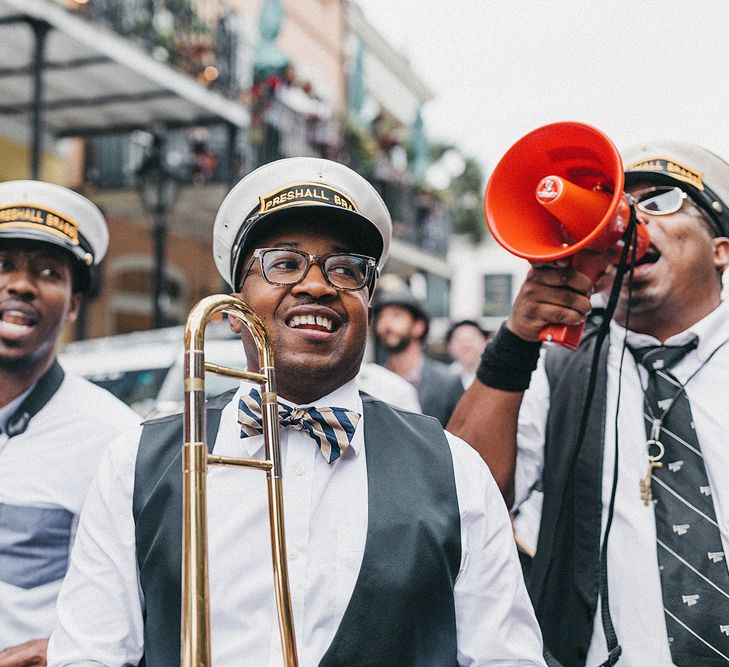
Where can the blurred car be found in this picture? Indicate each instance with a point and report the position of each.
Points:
(144, 369)
(131, 366)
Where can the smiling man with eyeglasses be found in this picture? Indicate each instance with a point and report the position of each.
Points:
(399, 545)
(654, 456)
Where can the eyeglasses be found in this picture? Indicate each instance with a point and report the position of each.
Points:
(661, 200)
(343, 271)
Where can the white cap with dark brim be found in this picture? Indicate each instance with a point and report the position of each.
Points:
(281, 189)
(50, 213)
(703, 174)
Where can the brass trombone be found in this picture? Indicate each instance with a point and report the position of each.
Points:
(195, 648)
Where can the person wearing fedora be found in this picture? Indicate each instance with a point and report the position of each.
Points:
(630, 563)
(401, 326)
(399, 545)
(53, 426)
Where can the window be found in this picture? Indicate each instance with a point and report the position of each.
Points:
(438, 296)
(497, 294)
(134, 280)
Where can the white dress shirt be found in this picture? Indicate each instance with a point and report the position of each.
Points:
(636, 603)
(44, 471)
(100, 607)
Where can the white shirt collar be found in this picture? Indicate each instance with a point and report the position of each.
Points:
(712, 331)
(9, 410)
(347, 396)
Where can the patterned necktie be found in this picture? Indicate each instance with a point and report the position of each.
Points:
(691, 559)
(331, 428)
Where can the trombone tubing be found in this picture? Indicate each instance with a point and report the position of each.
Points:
(195, 621)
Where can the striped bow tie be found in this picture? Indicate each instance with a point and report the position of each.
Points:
(331, 428)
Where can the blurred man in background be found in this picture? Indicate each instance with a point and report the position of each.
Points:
(401, 326)
(466, 340)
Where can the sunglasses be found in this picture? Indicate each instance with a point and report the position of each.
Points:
(661, 200)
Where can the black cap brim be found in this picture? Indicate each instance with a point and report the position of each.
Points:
(704, 199)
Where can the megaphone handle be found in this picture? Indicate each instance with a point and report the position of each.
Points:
(568, 336)
(592, 264)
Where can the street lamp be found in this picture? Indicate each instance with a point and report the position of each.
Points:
(157, 187)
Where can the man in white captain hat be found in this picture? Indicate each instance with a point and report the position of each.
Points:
(399, 547)
(613, 528)
(53, 426)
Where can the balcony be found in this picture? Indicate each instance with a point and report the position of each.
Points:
(288, 120)
(197, 155)
(420, 218)
(199, 39)
(204, 155)
(195, 37)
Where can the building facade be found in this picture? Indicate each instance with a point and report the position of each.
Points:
(181, 99)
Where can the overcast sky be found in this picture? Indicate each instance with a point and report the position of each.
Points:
(636, 69)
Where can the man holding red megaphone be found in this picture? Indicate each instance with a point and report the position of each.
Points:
(620, 449)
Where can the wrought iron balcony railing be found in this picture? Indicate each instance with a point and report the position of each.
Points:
(199, 37)
(195, 36)
(196, 155)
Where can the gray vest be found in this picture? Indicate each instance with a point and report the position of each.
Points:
(401, 612)
(565, 573)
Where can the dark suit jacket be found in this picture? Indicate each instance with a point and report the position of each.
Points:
(439, 390)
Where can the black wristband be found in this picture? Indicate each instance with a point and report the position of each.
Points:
(508, 361)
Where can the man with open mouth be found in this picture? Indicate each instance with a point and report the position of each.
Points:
(632, 491)
(53, 426)
(399, 546)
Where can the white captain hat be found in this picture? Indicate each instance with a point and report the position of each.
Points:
(284, 188)
(703, 174)
(47, 212)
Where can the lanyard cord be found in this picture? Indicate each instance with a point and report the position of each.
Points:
(629, 245)
(682, 386)
(611, 639)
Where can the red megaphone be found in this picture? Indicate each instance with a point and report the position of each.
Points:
(558, 192)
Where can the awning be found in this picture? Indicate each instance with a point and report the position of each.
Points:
(93, 80)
